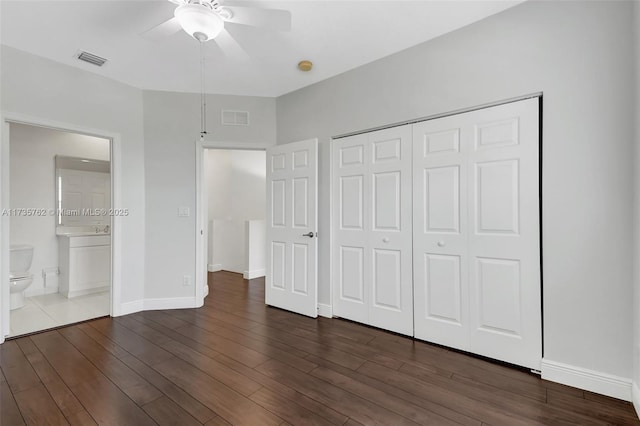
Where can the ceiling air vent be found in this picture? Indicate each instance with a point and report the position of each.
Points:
(235, 118)
(91, 58)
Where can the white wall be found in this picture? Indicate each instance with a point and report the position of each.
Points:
(236, 193)
(44, 89)
(172, 126)
(32, 158)
(580, 55)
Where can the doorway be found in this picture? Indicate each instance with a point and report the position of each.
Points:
(230, 211)
(69, 266)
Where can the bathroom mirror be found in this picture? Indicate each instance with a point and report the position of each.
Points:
(83, 191)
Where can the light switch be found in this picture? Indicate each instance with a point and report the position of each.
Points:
(183, 211)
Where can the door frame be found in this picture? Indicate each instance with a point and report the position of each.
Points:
(115, 152)
(202, 206)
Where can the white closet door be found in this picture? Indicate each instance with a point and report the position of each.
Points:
(440, 242)
(504, 248)
(476, 245)
(291, 275)
(372, 216)
(391, 294)
(351, 219)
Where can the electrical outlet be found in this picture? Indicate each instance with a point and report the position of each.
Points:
(186, 280)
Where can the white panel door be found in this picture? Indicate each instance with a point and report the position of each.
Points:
(440, 246)
(372, 234)
(477, 232)
(504, 247)
(291, 270)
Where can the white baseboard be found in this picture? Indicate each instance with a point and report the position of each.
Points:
(170, 303)
(129, 308)
(256, 273)
(214, 268)
(635, 398)
(206, 290)
(325, 310)
(594, 381)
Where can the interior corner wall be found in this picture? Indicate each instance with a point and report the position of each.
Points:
(172, 127)
(37, 87)
(580, 55)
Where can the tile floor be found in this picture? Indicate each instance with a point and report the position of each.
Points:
(54, 310)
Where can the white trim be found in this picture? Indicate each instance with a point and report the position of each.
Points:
(635, 398)
(115, 140)
(214, 267)
(171, 303)
(131, 307)
(256, 273)
(201, 224)
(582, 378)
(325, 310)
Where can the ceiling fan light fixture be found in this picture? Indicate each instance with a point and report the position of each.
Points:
(199, 21)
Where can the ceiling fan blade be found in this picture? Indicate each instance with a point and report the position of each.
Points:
(230, 47)
(163, 30)
(272, 19)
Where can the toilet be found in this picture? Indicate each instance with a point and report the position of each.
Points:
(20, 258)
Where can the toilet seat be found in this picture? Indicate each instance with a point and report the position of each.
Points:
(14, 276)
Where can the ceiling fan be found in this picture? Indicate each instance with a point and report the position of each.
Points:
(205, 19)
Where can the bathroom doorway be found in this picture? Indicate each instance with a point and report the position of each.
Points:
(60, 221)
(235, 188)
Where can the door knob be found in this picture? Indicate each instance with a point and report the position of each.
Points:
(385, 240)
(308, 234)
(441, 244)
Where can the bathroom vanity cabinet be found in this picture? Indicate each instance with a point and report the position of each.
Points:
(84, 263)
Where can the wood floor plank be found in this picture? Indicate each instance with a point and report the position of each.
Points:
(166, 412)
(292, 395)
(203, 358)
(343, 401)
(17, 369)
(226, 402)
(378, 397)
(185, 400)
(410, 398)
(38, 408)
(104, 401)
(442, 396)
(605, 412)
(127, 339)
(9, 411)
(59, 391)
(136, 387)
(292, 413)
(81, 418)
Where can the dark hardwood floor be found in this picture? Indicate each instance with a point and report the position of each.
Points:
(235, 361)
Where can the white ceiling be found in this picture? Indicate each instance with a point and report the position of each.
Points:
(336, 35)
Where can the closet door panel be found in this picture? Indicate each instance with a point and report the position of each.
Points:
(504, 247)
(350, 233)
(440, 260)
(391, 303)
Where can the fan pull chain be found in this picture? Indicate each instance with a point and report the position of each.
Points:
(203, 97)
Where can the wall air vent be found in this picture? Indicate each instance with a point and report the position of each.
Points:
(91, 58)
(235, 118)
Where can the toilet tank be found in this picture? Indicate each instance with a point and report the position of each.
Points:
(20, 257)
